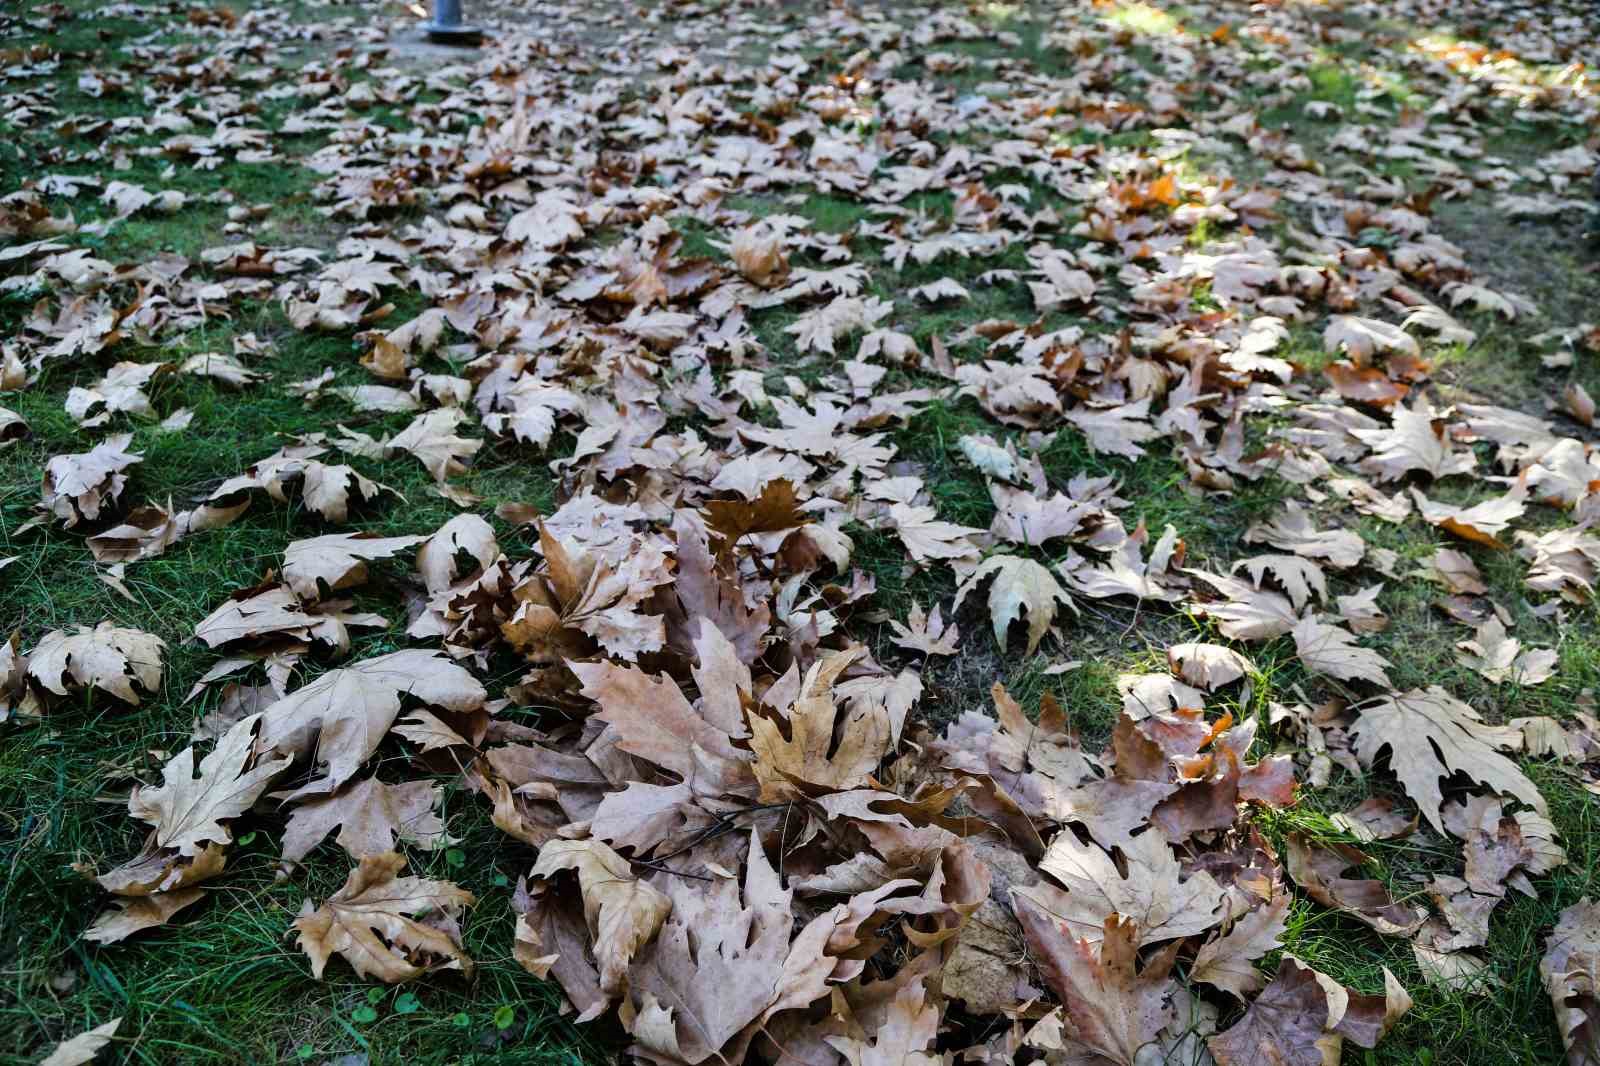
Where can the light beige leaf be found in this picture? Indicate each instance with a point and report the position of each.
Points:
(1332, 650)
(1430, 735)
(108, 657)
(337, 560)
(623, 912)
(1019, 585)
(1208, 666)
(347, 712)
(389, 927)
(187, 809)
(1225, 961)
(83, 1047)
(1499, 657)
(818, 741)
(77, 487)
(1152, 891)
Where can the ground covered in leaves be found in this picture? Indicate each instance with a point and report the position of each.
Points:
(717, 533)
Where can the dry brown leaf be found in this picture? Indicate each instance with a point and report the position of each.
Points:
(813, 743)
(1303, 1019)
(389, 927)
(1331, 650)
(1111, 1008)
(370, 816)
(130, 916)
(78, 487)
(1226, 961)
(623, 913)
(1020, 586)
(109, 658)
(189, 808)
(341, 717)
(1319, 871)
(1569, 967)
(1431, 735)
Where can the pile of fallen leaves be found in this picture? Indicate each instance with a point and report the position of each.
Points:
(750, 845)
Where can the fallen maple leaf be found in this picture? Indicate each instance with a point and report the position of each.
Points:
(1019, 585)
(342, 716)
(1431, 735)
(78, 487)
(1569, 966)
(370, 817)
(1500, 658)
(337, 560)
(109, 658)
(623, 912)
(389, 927)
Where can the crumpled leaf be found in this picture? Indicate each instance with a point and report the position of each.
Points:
(120, 662)
(623, 912)
(386, 926)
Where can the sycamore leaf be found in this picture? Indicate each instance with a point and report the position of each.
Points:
(1499, 657)
(623, 913)
(1303, 1019)
(1430, 735)
(107, 657)
(130, 916)
(389, 927)
(77, 487)
(1152, 891)
(1571, 971)
(926, 632)
(1319, 871)
(188, 808)
(1365, 337)
(905, 1038)
(1415, 440)
(82, 1048)
(1481, 523)
(1020, 585)
(926, 538)
(1208, 666)
(1111, 1008)
(1293, 531)
(337, 560)
(347, 712)
(1226, 960)
(370, 817)
(802, 745)
(654, 722)
(1332, 650)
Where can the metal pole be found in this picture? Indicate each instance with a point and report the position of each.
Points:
(446, 26)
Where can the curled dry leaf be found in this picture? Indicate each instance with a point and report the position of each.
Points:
(79, 487)
(1569, 967)
(1319, 871)
(125, 663)
(389, 927)
(623, 913)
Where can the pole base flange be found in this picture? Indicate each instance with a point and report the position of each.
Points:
(459, 33)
